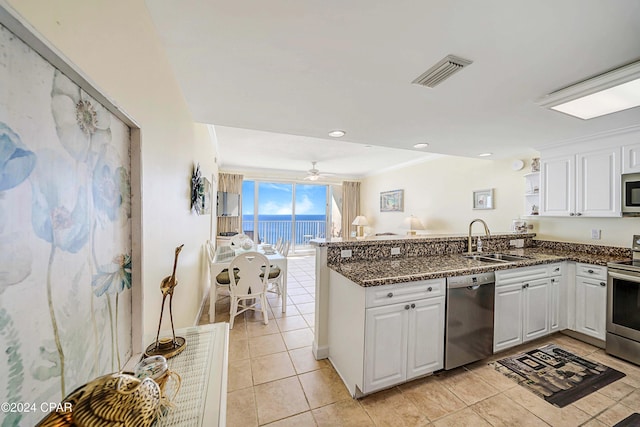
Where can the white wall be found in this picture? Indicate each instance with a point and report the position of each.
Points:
(439, 192)
(115, 44)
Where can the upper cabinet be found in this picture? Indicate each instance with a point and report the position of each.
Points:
(631, 158)
(581, 184)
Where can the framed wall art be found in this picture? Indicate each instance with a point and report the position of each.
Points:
(392, 201)
(483, 199)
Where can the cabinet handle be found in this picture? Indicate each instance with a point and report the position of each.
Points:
(413, 306)
(407, 307)
(429, 289)
(578, 214)
(525, 286)
(590, 271)
(603, 284)
(571, 214)
(556, 269)
(390, 294)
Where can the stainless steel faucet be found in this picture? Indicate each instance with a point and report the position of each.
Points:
(486, 232)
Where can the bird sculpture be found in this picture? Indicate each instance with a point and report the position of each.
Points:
(117, 399)
(167, 286)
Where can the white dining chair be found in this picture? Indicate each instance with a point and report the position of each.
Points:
(220, 281)
(238, 240)
(248, 287)
(276, 281)
(278, 246)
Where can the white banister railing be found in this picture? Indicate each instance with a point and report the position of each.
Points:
(270, 231)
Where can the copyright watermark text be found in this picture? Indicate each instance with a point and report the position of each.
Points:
(25, 407)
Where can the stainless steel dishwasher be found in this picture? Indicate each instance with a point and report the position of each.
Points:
(469, 319)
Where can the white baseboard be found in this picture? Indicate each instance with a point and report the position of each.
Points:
(320, 352)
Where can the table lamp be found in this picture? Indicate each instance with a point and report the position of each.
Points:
(360, 222)
(413, 224)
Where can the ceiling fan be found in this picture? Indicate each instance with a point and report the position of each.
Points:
(314, 174)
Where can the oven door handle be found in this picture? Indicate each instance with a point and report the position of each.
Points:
(627, 275)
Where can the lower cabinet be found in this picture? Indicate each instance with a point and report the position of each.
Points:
(591, 300)
(381, 336)
(527, 304)
(403, 341)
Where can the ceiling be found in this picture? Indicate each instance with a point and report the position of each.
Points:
(276, 76)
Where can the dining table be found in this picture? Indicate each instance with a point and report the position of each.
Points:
(225, 254)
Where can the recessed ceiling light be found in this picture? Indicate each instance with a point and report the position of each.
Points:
(614, 91)
(484, 154)
(337, 133)
(421, 145)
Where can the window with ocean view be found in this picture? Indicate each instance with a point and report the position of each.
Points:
(295, 212)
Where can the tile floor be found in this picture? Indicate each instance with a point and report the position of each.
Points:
(274, 380)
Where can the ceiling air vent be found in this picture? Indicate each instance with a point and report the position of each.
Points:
(441, 71)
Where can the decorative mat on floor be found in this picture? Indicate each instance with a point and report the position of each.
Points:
(632, 420)
(557, 375)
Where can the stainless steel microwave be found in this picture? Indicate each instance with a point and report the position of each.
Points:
(631, 194)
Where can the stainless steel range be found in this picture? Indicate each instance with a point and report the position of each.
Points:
(623, 307)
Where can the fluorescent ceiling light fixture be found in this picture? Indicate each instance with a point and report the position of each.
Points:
(421, 145)
(614, 91)
(337, 133)
(484, 154)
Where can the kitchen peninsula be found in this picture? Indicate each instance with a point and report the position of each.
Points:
(356, 279)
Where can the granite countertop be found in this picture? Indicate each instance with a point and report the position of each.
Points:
(410, 269)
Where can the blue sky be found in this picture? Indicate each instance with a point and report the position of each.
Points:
(276, 198)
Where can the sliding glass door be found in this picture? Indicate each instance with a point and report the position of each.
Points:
(294, 212)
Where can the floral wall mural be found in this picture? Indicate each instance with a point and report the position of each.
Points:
(65, 234)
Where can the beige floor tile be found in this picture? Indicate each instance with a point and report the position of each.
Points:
(239, 332)
(304, 361)
(290, 323)
(271, 367)
(465, 417)
(239, 375)
(347, 413)
(307, 308)
(501, 411)
(238, 349)
(279, 399)
(632, 401)
(304, 419)
(266, 344)
(292, 310)
(573, 345)
(257, 329)
(241, 408)
(492, 377)
(391, 408)
(569, 416)
(617, 390)
(468, 386)
(298, 338)
(594, 423)
(431, 397)
(301, 299)
(615, 414)
(323, 387)
(310, 318)
(594, 403)
(297, 291)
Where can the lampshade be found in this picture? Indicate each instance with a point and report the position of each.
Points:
(360, 220)
(413, 223)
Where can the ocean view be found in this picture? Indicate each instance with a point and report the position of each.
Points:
(272, 227)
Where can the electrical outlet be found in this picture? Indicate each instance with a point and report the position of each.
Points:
(595, 234)
(395, 251)
(517, 243)
(345, 253)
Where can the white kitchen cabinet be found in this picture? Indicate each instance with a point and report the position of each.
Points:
(381, 336)
(532, 193)
(591, 300)
(631, 158)
(527, 304)
(583, 184)
(557, 291)
(399, 344)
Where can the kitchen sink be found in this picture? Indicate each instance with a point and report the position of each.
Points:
(494, 257)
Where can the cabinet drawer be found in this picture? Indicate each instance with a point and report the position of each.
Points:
(592, 271)
(556, 269)
(515, 275)
(401, 292)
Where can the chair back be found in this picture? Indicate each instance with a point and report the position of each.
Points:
(285, 248)
(253, 274)
(238, 239)
(279, 244)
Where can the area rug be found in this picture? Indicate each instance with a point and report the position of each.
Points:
(557, 375)
(632, 420)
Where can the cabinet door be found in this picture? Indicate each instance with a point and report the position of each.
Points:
(508, 317)
(631, 158)
(557, 186)
(536, 308)
(385, 346)
(426, 337)
(598, 183)
(591, 306)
